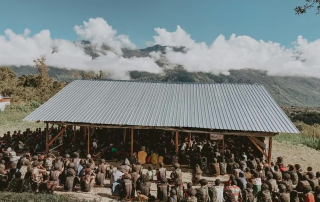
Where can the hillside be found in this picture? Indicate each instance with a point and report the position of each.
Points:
(288, 91)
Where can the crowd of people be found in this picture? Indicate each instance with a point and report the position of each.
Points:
(250, 177)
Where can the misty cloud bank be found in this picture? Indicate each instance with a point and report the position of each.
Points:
(236, 52)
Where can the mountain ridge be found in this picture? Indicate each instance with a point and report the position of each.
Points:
(286, 90)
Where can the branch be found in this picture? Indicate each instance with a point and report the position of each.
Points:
(309, 4)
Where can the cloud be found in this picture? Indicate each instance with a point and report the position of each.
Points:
(221, 56)
(22, 49)
(239, 52)
(177, 38)
(99, 32)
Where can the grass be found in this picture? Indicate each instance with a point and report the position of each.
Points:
(310, 136)
(11, 119)
(29, 197)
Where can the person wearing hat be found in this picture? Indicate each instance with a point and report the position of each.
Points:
(142, 155)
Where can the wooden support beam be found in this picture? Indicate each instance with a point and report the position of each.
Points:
(131, 141)
(258, 147)
(223, 145)
(260, 143)
(124, 135)
(74, 133)
(88, 140)
(47, 137)
(57, 136)
(186, 130)
(189, 140)
(177, 142)
(270, 150)
(51, 128)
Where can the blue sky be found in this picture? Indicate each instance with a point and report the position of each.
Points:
(204, 19)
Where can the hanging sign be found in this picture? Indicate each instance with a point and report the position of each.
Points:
(216, 137)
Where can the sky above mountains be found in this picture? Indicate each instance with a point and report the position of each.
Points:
(219, 35)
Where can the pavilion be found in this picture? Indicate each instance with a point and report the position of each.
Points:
(208, 108)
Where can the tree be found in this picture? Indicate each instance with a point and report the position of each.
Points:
(308, 5)
(43, 77)
(7, 76)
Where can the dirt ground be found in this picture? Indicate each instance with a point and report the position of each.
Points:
(300, 154)
(292, 154)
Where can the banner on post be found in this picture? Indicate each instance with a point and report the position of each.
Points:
(216, 137)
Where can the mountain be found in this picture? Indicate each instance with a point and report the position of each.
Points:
(287, 91)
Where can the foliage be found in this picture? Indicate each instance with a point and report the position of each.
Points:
(29, 197)
(308, 5)
(308, 115)
(36, 88)
(310, 136)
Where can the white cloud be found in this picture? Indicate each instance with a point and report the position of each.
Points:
(236, 52)
(98, 31)
(177, 38)
(239, 52)
(21, 50)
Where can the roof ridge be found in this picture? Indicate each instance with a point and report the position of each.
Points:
(166, 82)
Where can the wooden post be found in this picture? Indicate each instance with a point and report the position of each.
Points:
(177, 142)
(88, 140)
(270, 150)
(124, 135)
(223, 145)
(62, 136)
(131, 141)
(189, 140)
(47, 137)
(74, 133)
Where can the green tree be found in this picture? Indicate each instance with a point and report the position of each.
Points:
(7, 76)
(309, 4)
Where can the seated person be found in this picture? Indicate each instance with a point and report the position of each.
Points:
(87, 182)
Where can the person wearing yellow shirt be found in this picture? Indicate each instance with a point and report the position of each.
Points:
(142, 155)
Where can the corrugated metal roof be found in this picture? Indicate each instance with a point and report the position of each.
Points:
(238, 107)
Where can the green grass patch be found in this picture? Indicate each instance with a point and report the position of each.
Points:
(29, 197)
(11, 119)
(310, 136)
